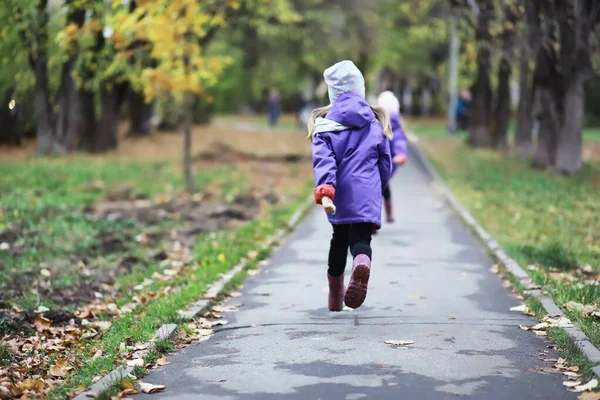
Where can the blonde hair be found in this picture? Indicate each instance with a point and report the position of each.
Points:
(380, 113)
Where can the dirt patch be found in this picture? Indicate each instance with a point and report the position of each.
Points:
(220, 152)
(24, 322)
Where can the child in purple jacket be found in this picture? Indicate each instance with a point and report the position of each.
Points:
(352, 164)
(398, 144)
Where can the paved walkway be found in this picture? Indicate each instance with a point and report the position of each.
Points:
(431, 283)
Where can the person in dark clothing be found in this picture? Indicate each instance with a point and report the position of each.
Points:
(274, 107)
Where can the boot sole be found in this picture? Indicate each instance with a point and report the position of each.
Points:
(357, 290)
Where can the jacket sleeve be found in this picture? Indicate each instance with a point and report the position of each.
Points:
(399, 141)
(324, 167)
(384, 162)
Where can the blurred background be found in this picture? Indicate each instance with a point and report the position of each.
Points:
(150, 144)
(81, 75)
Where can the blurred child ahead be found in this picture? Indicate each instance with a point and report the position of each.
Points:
(399, 144)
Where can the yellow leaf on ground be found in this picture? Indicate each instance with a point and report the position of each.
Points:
(36, 385)
(60, 369)
(41, 323)
(162, 361)
(127, 385)
(589, 396)
(150, 388)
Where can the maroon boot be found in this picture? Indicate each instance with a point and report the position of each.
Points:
(336, 292)
(388, 210)
(357, 287)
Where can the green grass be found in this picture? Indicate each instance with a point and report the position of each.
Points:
(6, 357)
(214, 254)
(43, 207)
(436, 128)
(539, 218)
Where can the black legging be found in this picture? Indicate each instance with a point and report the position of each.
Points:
(357, 237)
(387, 194)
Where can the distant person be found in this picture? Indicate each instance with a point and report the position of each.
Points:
(398, 144)
(463, 107)
(304, 113)
(352, 165)
(274, 106)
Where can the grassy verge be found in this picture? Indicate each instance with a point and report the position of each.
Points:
(46, 221)
(214, 255)
(549, 224)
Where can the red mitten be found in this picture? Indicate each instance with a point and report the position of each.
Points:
(324, 191)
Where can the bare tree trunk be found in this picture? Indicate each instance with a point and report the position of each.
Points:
(44, 130)
(68, 121)
(503, 113)
(106, 138)
(479, 116)
(187, 145)
(549, 118)
(524, 132)
(569, 152)
(88, 120)
(141, 114)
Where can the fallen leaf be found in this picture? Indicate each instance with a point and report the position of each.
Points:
(587, 387)
(41, 323)
(36, 385)
(587, 269)
(150, 388)
(252, 254)
(571, 374)
(125, 392)
(138, 362)
(41, 309)
(45, 273)
(589, 396)
(413, 297)
(162, 361)
(520, 308)
(452, 317)
(399, 342)
(571, 384)
(97, 354)
(127, 385)
(235, 294)
(494, 269)
(60, 369)
(226, 308)
(102, 325)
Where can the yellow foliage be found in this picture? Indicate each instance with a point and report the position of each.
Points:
(173, 31)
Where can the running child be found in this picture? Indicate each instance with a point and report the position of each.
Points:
(399, 144)
(352, 166)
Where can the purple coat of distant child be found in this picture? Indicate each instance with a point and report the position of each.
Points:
(356, 161)
(399, 143)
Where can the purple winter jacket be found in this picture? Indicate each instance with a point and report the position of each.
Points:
(356, 161)
(399, 143)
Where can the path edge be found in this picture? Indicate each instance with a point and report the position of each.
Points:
(499, 255)
(199, 307)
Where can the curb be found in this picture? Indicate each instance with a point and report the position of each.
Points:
(511, 266)
(197, 308)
